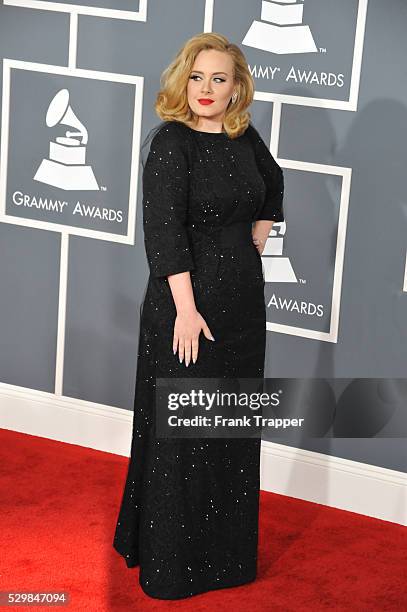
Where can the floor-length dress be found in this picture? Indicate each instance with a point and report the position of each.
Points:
(189, 513)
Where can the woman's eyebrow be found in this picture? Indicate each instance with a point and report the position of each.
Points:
(200, 72)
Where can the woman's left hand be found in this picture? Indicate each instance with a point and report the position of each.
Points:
(259, 244)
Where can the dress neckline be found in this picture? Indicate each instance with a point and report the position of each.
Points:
(223, 133)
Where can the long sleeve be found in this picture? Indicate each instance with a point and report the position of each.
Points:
(165, 204)
(273, 177)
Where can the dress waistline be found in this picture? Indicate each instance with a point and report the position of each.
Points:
(237, 233)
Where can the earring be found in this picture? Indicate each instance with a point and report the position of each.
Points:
(234, 97)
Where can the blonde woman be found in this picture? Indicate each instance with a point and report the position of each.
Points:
(211, 192)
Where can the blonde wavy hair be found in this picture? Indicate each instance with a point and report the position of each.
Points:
(172, 101)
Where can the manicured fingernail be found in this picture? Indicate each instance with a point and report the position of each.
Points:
(212, 338)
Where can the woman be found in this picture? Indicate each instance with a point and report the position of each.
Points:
(189, 514)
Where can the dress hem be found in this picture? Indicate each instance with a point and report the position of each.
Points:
(202, 590)
(130, 564)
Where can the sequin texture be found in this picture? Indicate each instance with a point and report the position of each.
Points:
(189, 511)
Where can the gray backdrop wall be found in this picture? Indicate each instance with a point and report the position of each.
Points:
(331, 96)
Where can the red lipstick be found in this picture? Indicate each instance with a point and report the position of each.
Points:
(205, 101)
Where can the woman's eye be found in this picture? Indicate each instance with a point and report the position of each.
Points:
(196, 76)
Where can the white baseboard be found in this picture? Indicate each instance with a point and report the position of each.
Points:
(324, 479)
(66, 419)
(332, 481)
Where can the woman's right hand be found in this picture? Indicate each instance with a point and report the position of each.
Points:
(187, 328)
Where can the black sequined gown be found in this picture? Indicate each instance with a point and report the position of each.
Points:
(189, 513)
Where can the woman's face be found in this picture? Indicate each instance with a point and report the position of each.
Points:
(211, 78)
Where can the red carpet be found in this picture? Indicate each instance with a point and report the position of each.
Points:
(59, 507)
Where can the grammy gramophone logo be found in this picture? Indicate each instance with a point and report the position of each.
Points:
(276, 266)
(66, 166)
(281, 29)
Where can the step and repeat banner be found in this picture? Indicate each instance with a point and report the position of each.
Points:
(78, 86)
